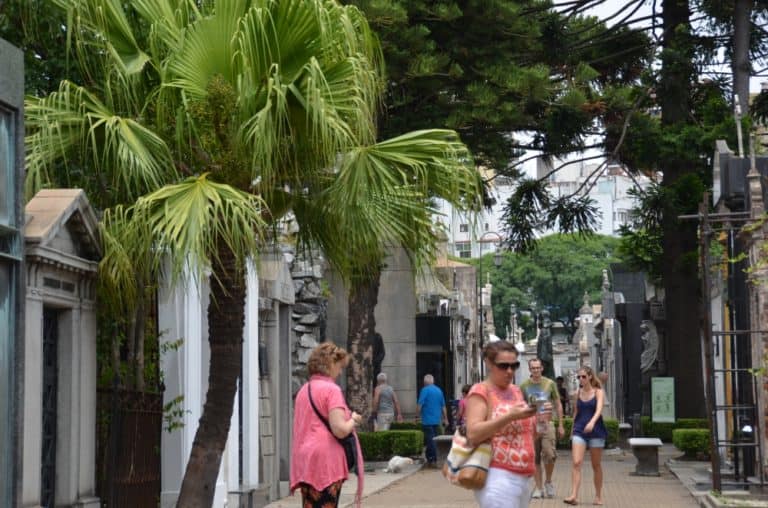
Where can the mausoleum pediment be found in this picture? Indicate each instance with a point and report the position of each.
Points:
(60, 223)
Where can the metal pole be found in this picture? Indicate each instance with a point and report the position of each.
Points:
(481, 316)
(706, 337)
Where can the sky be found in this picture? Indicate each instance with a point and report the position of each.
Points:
(610, 7)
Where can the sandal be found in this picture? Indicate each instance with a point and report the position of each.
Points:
(571, 502)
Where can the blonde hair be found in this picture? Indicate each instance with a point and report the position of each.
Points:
(324, 356)
(591, 376)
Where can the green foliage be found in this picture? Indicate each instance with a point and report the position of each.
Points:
(405, 426)
(664, 430)
(559, 271)
(661, 430)
(173, 414)
(38, 29)
(383, 445)
(611, 425)
(543, 73)
(693, 442)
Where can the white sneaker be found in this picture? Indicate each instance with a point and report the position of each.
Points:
(549, 490)
(536, 494)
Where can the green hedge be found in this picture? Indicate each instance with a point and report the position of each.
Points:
(405, 426)
(611, 425)
(693, 442)
(384, 444)
(664, 431)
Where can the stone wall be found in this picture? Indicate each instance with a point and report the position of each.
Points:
(309, 315)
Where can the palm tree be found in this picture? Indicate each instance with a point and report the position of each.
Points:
(198, 121)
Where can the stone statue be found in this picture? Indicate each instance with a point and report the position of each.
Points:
(648, 362)
(378, 355)
(544, 345)
(650, 338)
(606, 282)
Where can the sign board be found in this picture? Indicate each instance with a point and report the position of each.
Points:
(663, 399)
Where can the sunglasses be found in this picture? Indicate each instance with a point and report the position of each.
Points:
(582, 376)
(507, 366)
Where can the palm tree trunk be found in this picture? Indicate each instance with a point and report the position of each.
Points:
(226, 318)
(362, 325)
(140, 331)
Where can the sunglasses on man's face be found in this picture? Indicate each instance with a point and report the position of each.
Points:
(507, 366)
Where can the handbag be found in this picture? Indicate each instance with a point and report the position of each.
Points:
(467, 465)
(348, 443)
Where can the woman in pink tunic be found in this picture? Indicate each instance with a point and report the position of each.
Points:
(318, 463)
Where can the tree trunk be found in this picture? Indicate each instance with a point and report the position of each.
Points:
(681, 288)
(140, 331)
(362, 325)
(742, 11)
(226, 319)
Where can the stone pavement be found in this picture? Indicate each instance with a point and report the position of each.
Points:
(426, 488)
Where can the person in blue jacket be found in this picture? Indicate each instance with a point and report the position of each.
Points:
(431, 405)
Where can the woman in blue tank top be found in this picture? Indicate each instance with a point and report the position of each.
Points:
(588, 431)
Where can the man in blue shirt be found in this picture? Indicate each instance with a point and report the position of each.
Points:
(431, 405)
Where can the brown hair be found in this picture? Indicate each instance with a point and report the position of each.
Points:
(324, 356)
(500, 346)
(535, 359)
(591, 376)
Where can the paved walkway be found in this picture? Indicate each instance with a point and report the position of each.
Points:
(426, 488)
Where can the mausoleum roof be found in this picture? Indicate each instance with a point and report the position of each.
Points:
(63, 220)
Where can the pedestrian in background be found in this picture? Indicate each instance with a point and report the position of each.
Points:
(318, 462)
(386, 407)
(564, 399)
(497, 411)
(462, 412)
(540, 388)
(588, 431)
(431, 406)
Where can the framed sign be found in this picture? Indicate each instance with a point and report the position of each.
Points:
(663, 399)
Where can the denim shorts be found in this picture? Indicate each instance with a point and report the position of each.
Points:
(594, 442)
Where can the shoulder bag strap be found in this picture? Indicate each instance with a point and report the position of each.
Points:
(322, 418)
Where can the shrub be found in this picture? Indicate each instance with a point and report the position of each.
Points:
(664, 430)
(405, 426)
(692, 423)
(693, 442)
(384, 444)
(660, 430)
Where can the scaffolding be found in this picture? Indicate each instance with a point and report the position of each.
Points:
(741, 438)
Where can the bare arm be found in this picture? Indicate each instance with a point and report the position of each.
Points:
(479, 429)
(340, 425)
(398, 414)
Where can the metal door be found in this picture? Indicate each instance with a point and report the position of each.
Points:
(50, 377)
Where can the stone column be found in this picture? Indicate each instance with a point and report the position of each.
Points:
(758, 297)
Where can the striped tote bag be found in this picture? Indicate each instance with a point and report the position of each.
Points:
(467, 465)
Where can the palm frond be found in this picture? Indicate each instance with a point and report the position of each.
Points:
(187, 220)
(132, 157)
(434, 161)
